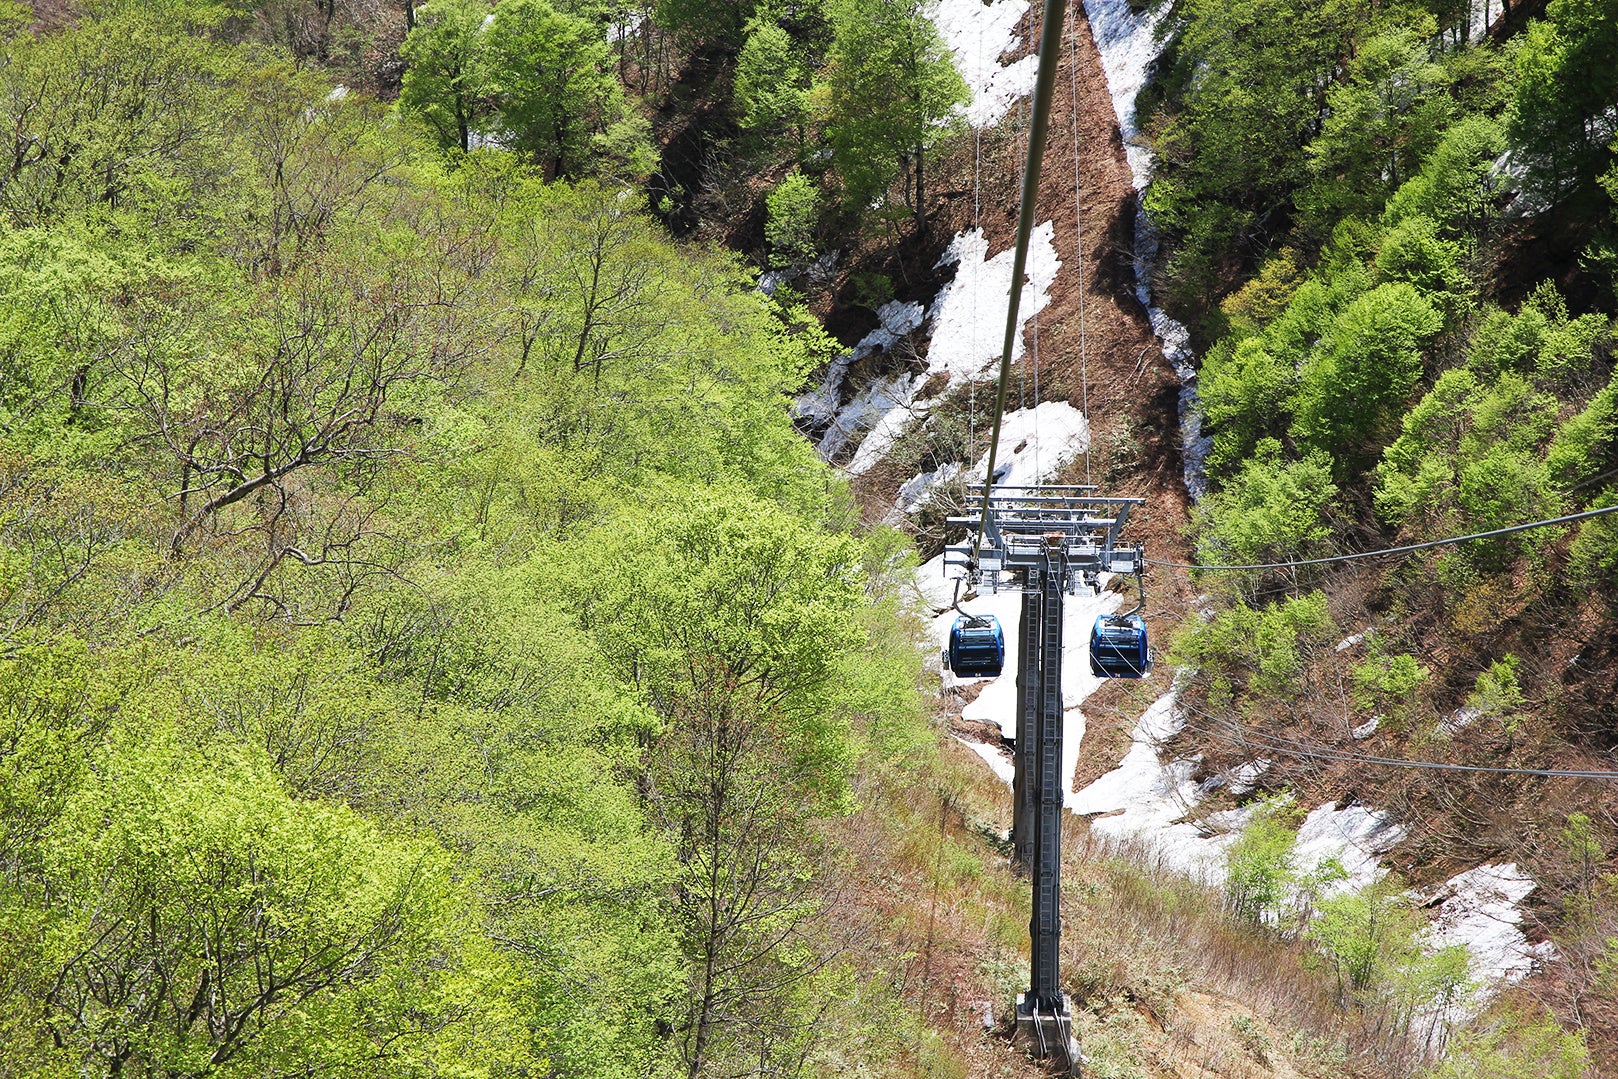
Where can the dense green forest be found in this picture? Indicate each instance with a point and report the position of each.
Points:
(1393, 236)
(1398, 248)
(426, 647)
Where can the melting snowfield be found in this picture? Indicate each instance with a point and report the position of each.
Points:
(966, 329)
(965, 340)
(1127, 43)
(979, 33)
(1034, 445)
(845, 422)
(1482, 909)
(1142, 802)
(1146, 804)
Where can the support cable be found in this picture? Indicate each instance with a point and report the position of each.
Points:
(1033, 278)
(1288, 747)
(1406, 549)
(1022, 368)
(1050, 41)
(1078, 228)
(972, 385)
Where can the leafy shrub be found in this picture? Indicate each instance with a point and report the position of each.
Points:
(1271, 511)
(1251, 1037)
(1387, 682)
(1354, 384)
(1515, 1045)
(1593, 558)
(1457, 184)
(1498, 694)
(1262, 646)
(791, 212)
(1260, 867)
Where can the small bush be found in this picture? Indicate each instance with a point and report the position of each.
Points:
(1387, 683)
(1252, 1038)
(1516, 1045)
(1262, 648)
(1498, 694)
(792, 211)
(1260, 868)
(1593, 558)
(1272, 511)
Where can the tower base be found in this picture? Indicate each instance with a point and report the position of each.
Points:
(1046, 1032)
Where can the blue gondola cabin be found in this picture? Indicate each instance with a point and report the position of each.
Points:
(1119, 648)
(977, 647)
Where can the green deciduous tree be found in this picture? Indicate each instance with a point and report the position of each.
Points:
(444, 82)
(1270, 511)
(892, 94)
(1354, 386)
(792, 212)
(1261, 867)
(1262, 650)
(772, 86)
(1567, 84)
(1498, 693)
(202, 919)
(721, 23)
(318, 158)
(1242, 388)
(731, 618)
(1387, 681)
(1384, 114)
(1414, 250)
(1247, 85)
(1457, 184)
(125, 106)
(1370, 936)
(1587, 441)
(1594, 556)
(550, 79)
(1470, 458)
(1514, 1044)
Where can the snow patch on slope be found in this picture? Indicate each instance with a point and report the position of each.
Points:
(1144, 803)
(1035, 444)
(1355, 836)
(964, 339)
(969, 313)
(894, 321)
(996, 757)
(1128, 44)
(1482, 909)
(979, 34)
(883, 406)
